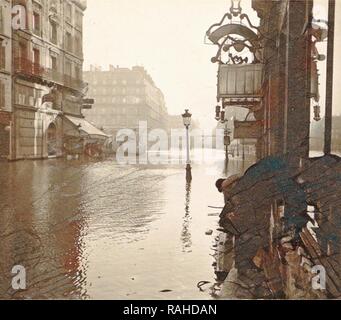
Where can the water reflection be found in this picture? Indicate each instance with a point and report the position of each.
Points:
(52, 212)
(186, 237)
(40, 232)
(101, 230)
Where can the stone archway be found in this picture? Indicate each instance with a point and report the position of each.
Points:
(52, 140)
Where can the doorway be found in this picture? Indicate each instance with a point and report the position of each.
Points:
(52, 140)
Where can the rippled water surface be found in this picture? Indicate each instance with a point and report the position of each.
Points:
(99, 230)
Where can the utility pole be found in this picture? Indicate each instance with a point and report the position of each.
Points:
(330, 73)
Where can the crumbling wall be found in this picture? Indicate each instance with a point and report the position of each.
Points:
(266, 212)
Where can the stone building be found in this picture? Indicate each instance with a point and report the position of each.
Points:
(48, 89)
(289, 67)
(123, 97)
(5, 78)
(282, 216)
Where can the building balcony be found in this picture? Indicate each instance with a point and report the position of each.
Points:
(62, 79)
(54, 76)
(28, 68)
(73, 83)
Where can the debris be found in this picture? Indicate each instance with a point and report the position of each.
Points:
(209, 232)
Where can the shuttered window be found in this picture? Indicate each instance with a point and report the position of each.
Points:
(2, 55)
(1, 20)
(2, 95)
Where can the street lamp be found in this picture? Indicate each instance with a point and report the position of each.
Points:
(187, 117)
(221, 116)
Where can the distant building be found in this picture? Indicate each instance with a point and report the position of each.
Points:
(41, 85)
(317, 134)
(175, 122)
(123, 97)
(5, 77)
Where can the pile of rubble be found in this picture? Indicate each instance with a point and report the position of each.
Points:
(278, 242)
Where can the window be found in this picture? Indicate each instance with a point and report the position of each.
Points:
(36, 61)
(68, 41)
(78, 72)
(54, 32)
(2, 55)
(68, 12)
(36, 23)
(78, 44)
(22, 51)
(2, 95)
(54, 63)
(68, 67)
(36, 56)
(79, 18)
(1, 20)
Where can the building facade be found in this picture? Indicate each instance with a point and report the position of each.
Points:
(271, 70)
(123, 97)
(47, 85)
(289, 67)
(5, 78)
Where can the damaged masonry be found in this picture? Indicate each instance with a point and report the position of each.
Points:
(281, 222)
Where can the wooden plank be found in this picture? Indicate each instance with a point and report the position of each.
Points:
(333, 281)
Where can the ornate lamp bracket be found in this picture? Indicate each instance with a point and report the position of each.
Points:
(235, 9)
(236, 38)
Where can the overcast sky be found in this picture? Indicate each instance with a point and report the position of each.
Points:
(167, 38)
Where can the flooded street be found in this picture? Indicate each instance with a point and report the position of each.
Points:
(99, 230)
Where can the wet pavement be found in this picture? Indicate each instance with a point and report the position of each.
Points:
(99, 230)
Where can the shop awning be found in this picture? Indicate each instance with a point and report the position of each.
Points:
(86, 127)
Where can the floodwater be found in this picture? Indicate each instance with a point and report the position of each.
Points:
(100, 230)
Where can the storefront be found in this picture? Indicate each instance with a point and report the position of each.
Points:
(81, 137)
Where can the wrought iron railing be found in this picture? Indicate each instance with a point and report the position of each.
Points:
(54, 76)
(27, 67)
(73, 82)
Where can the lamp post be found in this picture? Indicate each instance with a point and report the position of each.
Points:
(187, 117)
(227, 132)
